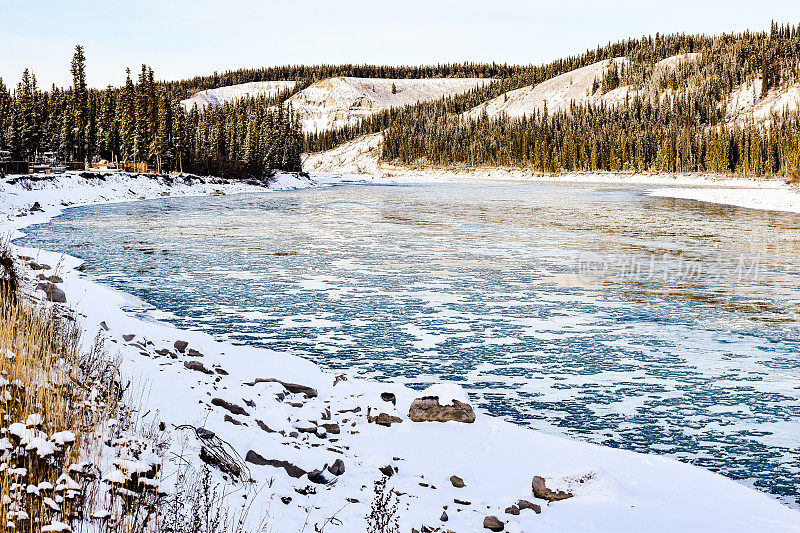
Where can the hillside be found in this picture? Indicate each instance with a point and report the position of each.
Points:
(746, 104)
(336, 102)
(221, 95)
(579, 86)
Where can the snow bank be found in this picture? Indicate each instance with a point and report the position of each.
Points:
(291, 415)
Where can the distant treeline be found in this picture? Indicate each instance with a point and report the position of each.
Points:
(144, 122)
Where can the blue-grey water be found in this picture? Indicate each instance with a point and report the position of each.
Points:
(656, 325)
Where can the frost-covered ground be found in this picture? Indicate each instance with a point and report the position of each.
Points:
(613, 490)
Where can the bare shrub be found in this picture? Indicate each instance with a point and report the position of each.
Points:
(382, 517)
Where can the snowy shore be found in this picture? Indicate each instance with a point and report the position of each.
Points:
(285, 430)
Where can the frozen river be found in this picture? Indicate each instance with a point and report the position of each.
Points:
(595, 311)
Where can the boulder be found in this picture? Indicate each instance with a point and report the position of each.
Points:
(194, 353)
(428, 409)
(36, 266)
(493, 524)
(387, 470)
(514, 510)
(444, 516)
(128, 337)
(542, 492)
(457, 482)
(36, 207)
(181, 346)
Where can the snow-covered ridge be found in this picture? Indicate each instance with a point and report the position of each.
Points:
(335, 102)
(222, 95)
(577, 86)
(227, 389)
(557, 93)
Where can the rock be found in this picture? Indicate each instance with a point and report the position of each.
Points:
(53, 293)
(104, 325)
(493, 524)
(181, 346)
(292, 470)
(305, 427)
(387, 470)
(264, 427)
(512, 510)
(194, 353)
(221, 371)
(197, 365)
(384, 419)
(129, 337)
(36, 266)
(321, 432)
(461, 502)
(293, 388)
(389, 397)
(333, 429)
(337, 468)
(457, 482)
(51, 279)
(36, 207)
(229, 418)
(444, 517)
(525, 504)
(232, 407)
(286, 499)
(318, 477)
(428, 409)
(542, 492)
(337, 379)
(204, 433)
(163, 351)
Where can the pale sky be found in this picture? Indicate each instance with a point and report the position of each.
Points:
(181, 38)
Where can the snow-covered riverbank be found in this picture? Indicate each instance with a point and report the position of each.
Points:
(287, 430)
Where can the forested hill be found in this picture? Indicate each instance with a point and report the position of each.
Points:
(677, 106)
(665, 102)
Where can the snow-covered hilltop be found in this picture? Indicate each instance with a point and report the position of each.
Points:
(221, 95)
(335, 102)
(557, 93)
(578, 86)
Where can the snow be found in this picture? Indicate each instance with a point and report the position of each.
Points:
(615, 490)
(745, 103)
(558, 93)
(772, 197)
(222, 95)
(336, 102)
(358, 156)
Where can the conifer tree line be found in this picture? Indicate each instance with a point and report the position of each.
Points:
(674, 120)
(143, 121)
